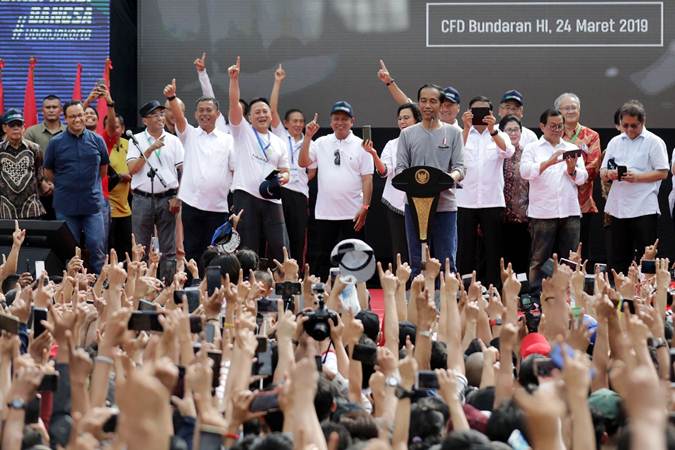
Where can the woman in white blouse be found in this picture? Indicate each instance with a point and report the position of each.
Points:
(392, 198)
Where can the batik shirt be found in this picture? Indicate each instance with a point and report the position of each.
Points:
(589, 141)
(19, 173)
(516, 189)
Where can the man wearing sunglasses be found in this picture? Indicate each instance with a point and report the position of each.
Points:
(345, 182)
(635, 161)
(20, 171)
(554, 177)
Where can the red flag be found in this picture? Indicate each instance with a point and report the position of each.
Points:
(101, 105)
(29, 106)
(2, 90)
(77, 88)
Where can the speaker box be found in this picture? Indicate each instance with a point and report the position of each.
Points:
(46, 240)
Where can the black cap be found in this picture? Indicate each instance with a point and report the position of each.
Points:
(270, 188)
(149, 107)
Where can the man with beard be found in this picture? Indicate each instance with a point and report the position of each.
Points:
(207, 172)
(261, 167)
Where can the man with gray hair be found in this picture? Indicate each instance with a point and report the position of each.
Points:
(589, 141)
(636, 161)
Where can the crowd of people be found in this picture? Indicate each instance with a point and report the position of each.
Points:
(193, 341)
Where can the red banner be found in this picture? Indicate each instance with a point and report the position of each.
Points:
(77, 87)
(101, 105)
(29, 106)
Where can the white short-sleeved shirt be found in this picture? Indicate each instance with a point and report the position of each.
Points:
(645, 153)
(298, 181)
(207, 170)
(391, 195)
(527, 136)
(255, 156)
(165, 161)
(553, 193)
(483, 184)
(340, 187)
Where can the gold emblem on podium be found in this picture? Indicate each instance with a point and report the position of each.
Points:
(422, 176)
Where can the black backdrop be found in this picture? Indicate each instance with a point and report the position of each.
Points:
(124, 81)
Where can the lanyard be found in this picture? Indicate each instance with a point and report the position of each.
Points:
(290, 150)
(150, 140)
(573, 139)
(263, 148)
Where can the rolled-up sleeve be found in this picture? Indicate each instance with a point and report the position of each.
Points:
(582, 173)
(529, 167)
(457, 161)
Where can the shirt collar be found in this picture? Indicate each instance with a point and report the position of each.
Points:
(44, 128)
(348, 139)
(642, 135)
(4, 144)
(544, 143)
(474, 130)
(75, 136)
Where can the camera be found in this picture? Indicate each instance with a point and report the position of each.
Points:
(317, 323)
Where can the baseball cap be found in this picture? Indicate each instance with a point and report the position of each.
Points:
(606, 402)
(149, 107)
(513, 95)
(371, 323)
(270, 188)
(451, 94)
(355, 258)
(534, 343)
(342, 106)
(225, 238)
(13, 115)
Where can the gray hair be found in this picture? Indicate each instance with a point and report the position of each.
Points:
(561, 97)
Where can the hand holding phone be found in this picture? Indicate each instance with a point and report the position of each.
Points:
(479, 113)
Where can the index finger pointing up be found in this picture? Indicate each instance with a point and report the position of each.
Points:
(382, 66)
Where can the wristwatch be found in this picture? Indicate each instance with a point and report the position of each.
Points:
(494, 133)
(403, 393)
(659, 342)
(391, 382)
(496, 322)
(17, 403)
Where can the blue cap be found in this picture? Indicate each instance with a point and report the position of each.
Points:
(150, 107)
(451, 94)
(513, 95)
(13, 115)
(342, 106)
(270, 188)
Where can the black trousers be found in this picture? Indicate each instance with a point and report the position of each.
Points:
(329, 233)
(262, 221)
(198, 229)
(585, 235)
(517, 243)
(399, 242)
(120, 235)
(490, 222)
(294, 205)
(629, 239)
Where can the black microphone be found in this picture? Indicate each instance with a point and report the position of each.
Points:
(131, 136)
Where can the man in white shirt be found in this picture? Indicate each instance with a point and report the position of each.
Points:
(295, 194)
(155, 205)
(481, 201)
(259, 156)
(635, 161)
(207, 172)
(513, 102)
(345, 182)
(554, 212)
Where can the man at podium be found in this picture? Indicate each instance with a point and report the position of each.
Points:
(432, 143)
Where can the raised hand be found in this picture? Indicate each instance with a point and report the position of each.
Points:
(19, 235)
(233, 70)
(651, 250)
(312, 127)
(170, 89)
(388, 281)
(279, 74)
(289, 267)
(200, 63)
(403, 271)
(383, 74)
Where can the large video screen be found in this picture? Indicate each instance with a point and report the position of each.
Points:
(606, 52)
(59, 34)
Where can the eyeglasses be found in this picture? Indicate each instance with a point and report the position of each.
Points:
(337, 157)
(14, 124)
(631, 125)
(556, 127)
(570, 108)
(512, 130)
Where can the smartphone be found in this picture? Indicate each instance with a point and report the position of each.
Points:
(262, 344)
(145, 305)
(192, 294)
(179, 388)
(217, 358)
(525, 302)
(39, 314)
(49, 383)
(9, 324)
(287, 289)
(426, 379)
(621, 171)
(631, 305)
(39, 268)
(589, 284)
(319, 363)
(154, 244)
(466, 281)
(569, 263)
(263, 364)
(265, 401)
(479, 113)
(547, 268)
(213, 280)
(33, 410)
(267, 306)
(601, 267)
(110, 425)
(210, 332)
(144, 321)
(572, 153)
(543, 367)
(367, 132)
(648, 266)
(169, 271)
(196, 324)
(365, 353)
(334, 273)
(27, 266)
